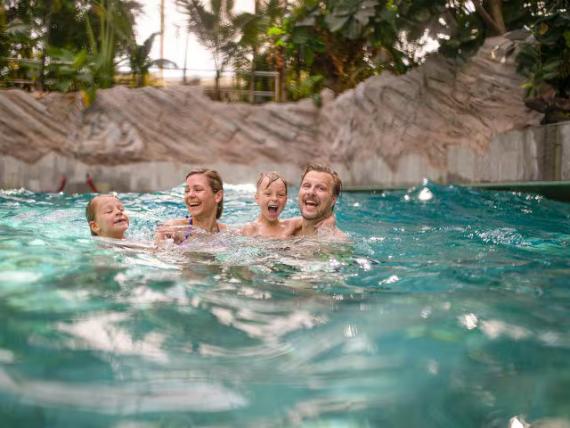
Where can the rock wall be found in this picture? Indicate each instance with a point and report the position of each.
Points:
(389, 130)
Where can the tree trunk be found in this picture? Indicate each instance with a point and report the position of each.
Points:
(252, 76)
(495, 7)
(494, 20)
(254, 51)
(217, 94)
(41, 77)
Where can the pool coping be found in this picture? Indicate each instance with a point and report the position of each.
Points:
(557, 190)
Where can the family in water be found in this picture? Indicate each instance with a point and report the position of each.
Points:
(204, 198)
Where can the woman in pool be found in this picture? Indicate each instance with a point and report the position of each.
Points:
(204, 198)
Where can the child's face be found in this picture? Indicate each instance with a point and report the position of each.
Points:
(271, 199)
(111, 221)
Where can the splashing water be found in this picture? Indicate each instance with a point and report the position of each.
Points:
(450, 307)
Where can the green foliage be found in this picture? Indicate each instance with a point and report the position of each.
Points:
(305, 87)
(546, 60)
(215, 30)
(140, 61)
(72, 71)
(345, 41)
(4, 43)
(40, 35)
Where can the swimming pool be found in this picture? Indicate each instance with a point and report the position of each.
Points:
(450, 309)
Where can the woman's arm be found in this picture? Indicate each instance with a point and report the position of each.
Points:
(172, 229)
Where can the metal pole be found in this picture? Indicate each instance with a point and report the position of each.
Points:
(277, 86)
(161, 37)
(185, 58)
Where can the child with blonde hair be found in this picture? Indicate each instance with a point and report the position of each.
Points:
(271, 196)
(106, 217)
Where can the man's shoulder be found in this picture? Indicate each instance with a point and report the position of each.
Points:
(340, 235)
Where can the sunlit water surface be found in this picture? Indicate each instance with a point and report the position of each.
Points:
(449, 308)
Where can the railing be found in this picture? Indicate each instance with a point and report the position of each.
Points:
(230, 83)
(229, 90)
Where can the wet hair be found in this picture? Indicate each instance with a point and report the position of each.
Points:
(337, 187)
(272, 176)
(92, 207)
(216, 184)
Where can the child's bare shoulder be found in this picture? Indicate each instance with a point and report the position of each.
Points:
(250, 229)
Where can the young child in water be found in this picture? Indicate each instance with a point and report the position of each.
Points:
(106, 217)
(271, 196)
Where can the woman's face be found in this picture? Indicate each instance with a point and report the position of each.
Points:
(199, 196)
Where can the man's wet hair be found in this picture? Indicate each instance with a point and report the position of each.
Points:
(92, 207)
(318, 167)
(272, 176)
(216, 184)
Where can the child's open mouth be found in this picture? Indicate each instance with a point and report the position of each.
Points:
(272, 209)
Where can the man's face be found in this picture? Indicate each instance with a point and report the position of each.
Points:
(316, 198)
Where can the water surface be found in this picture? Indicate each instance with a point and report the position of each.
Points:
(449, 308)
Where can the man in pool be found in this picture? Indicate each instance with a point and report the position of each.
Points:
(320, 188)
(106, 217)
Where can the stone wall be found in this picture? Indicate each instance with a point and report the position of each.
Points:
(446, 120)
(537, 153)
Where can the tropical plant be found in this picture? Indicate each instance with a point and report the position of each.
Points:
(545, 61)
(215, 29)
(140, 61)
(34, 28)
(256, 43)
(4, 43)
(345, 41)
(115, 31)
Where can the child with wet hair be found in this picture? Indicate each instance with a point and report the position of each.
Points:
(106, 217)
(271, 196)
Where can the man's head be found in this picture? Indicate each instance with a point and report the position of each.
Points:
(319, 190)
(106, 217)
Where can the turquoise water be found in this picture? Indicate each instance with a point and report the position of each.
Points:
(450, 308)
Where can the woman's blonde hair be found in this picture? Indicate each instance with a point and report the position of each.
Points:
(216, 184)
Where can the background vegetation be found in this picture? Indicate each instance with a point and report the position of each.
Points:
(311, 44)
